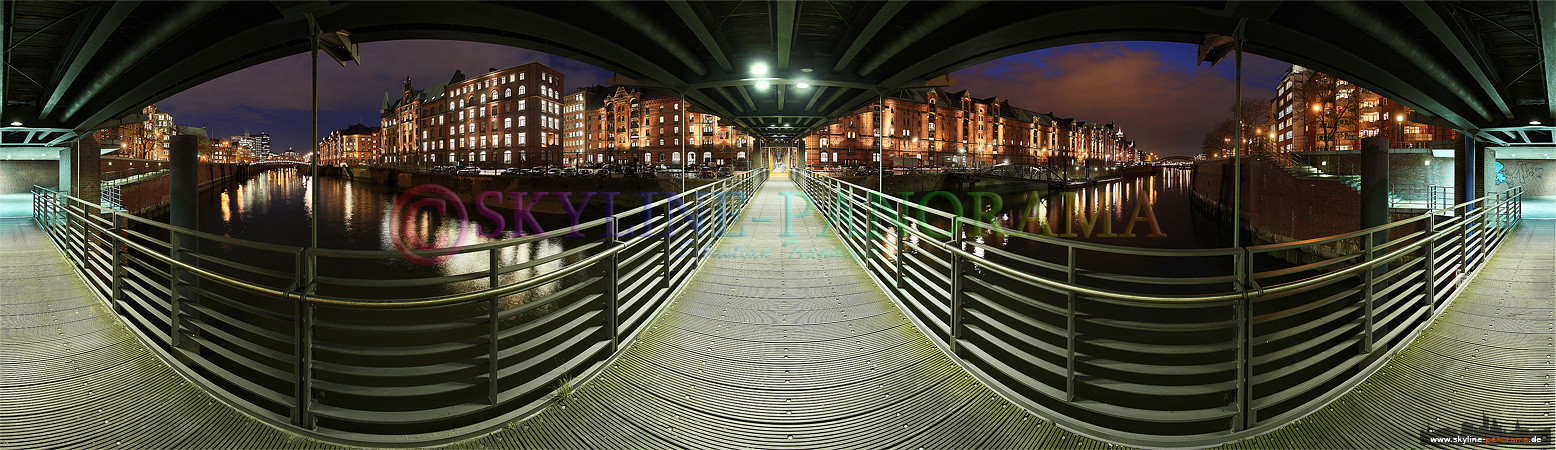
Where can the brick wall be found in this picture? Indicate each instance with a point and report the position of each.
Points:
(150, 197)
(1278, 207)
(1537, 176)
(19, 176)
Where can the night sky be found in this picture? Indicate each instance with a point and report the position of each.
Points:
(1151, 90)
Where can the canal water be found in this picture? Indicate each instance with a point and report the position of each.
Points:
(274, 207)
(1156, 210)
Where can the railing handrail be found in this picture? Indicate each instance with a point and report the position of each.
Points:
(348, 253)
(183, 312)
(1002, 326)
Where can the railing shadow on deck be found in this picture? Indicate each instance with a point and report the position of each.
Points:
(282, 337)
(1225, 354)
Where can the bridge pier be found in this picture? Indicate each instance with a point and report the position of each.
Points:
(183, 190)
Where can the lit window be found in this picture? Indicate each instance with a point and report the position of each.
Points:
(507, 122)
(507, 156)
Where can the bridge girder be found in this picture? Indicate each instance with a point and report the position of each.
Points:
(1447, 61)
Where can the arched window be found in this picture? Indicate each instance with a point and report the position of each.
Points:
(740, 155)
(507, 156)
(483, 98)
(707, 156)
(707, 129)
(675, 157)
(647, 157)
(823, 156)
(507, 92)
(691, 157)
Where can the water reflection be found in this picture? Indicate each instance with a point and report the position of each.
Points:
(274, 207)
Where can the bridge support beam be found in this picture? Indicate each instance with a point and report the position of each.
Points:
(183, 185)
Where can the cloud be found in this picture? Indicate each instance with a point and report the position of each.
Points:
(1151, 91)
(274, 96)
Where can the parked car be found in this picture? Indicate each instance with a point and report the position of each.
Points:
(512, 171)
(469, 170)
(725, 171)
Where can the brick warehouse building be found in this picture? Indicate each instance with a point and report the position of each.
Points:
(355, 145)
(617, 124)
(507, 117)
(933, 127)
(1314, 111)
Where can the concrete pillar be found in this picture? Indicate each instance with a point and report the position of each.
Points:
(1374, 212)
(1468, 170)
(66, 160)
(1374, 182)
(183, 185)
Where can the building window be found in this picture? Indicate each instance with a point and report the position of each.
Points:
(521, 89)
(647, 157)
(823, 156)
(675, 157)
(740, 155)
(507, 122)
(507, 156)
(521, 121)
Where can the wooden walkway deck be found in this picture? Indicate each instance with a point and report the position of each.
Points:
(761, 351)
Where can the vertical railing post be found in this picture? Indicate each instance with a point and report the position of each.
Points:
(303, 341)
(612, 302)
(1367, 292)
(1463, 225)
(664, 256)
(902, 235)
(493, 319)
(1243, 310)
(1480, 236)
(120, 235)
(1431, 262)
(696, 229)
(175, 246)
(1069, 326)
(80, 230)
(956, 288)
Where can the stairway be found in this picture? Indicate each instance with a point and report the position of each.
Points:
(1299, 169)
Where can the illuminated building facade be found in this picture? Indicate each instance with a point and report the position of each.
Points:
(1314, 111)
(645, 126)
(931, 127)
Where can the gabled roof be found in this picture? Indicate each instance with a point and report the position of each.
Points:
(359, 128)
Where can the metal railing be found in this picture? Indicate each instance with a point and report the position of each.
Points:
(281, 334)
(1233, 344)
